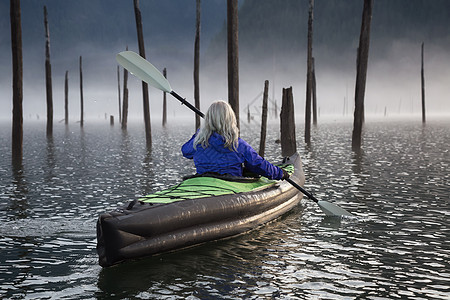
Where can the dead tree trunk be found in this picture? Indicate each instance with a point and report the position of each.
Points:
(197, 65)
(423, 88)
(48, 77)
(314, 92)
(361, 73)
(118, 86)
(287, 124)
(125, 99)
(17, 81)
(164, 118)
(81, 94)
(233, 56)
(309, 75)
(146, 105)
(262, 141)
(66, 98)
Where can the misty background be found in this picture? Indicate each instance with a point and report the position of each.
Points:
(272, 46)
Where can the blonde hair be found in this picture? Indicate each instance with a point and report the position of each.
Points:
(220, 118)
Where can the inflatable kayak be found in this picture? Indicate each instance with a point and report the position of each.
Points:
(198, 210)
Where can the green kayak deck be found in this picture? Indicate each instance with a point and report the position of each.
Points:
(204, 186)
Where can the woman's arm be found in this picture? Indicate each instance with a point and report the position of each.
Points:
(256, 164)
(188, 148)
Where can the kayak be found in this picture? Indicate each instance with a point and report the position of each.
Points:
(199, 209)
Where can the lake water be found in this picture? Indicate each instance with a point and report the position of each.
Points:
(396, 246)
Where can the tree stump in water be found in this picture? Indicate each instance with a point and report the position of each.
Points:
(287, 124)
(262, 141)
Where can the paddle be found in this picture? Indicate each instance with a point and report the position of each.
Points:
(145, 71)
(328, 208)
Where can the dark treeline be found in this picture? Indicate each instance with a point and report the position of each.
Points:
(109, 24)
(272, 25)
(262, 24)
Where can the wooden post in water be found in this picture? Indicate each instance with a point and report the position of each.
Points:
(262, 141)
(314, 92)
(233, 56)
(164, 118)
(66, 98)
(361, 73)
(81, 93)
(118, 86)
(146, 105)
(125, 99)
(197, 64)
(48, 76)
(423, 88)
(287, 124)
(17, 82)
(309, 76)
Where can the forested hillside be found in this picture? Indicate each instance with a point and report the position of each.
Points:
(106, 24)
(265, 26)
(281, 26)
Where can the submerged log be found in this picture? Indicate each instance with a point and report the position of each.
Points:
(146, 105)
(233, 56)
(287, 124)
(17, 81)
(361, 73)
(262, 141)
(48, 76)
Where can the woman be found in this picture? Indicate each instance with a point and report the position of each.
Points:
(217, 147)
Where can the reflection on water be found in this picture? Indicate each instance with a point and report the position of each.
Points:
(396, 246)
(18, 204)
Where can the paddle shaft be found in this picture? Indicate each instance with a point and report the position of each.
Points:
(310, 196)
(183, 101)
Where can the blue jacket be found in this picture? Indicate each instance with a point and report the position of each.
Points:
(217, 158)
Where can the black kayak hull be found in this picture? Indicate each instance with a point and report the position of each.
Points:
(147, 229)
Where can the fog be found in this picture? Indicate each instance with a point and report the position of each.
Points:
(393, 79)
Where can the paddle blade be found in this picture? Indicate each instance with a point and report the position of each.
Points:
(331, 209)
(144, 70)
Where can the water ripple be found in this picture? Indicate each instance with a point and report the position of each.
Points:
(395, 246)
